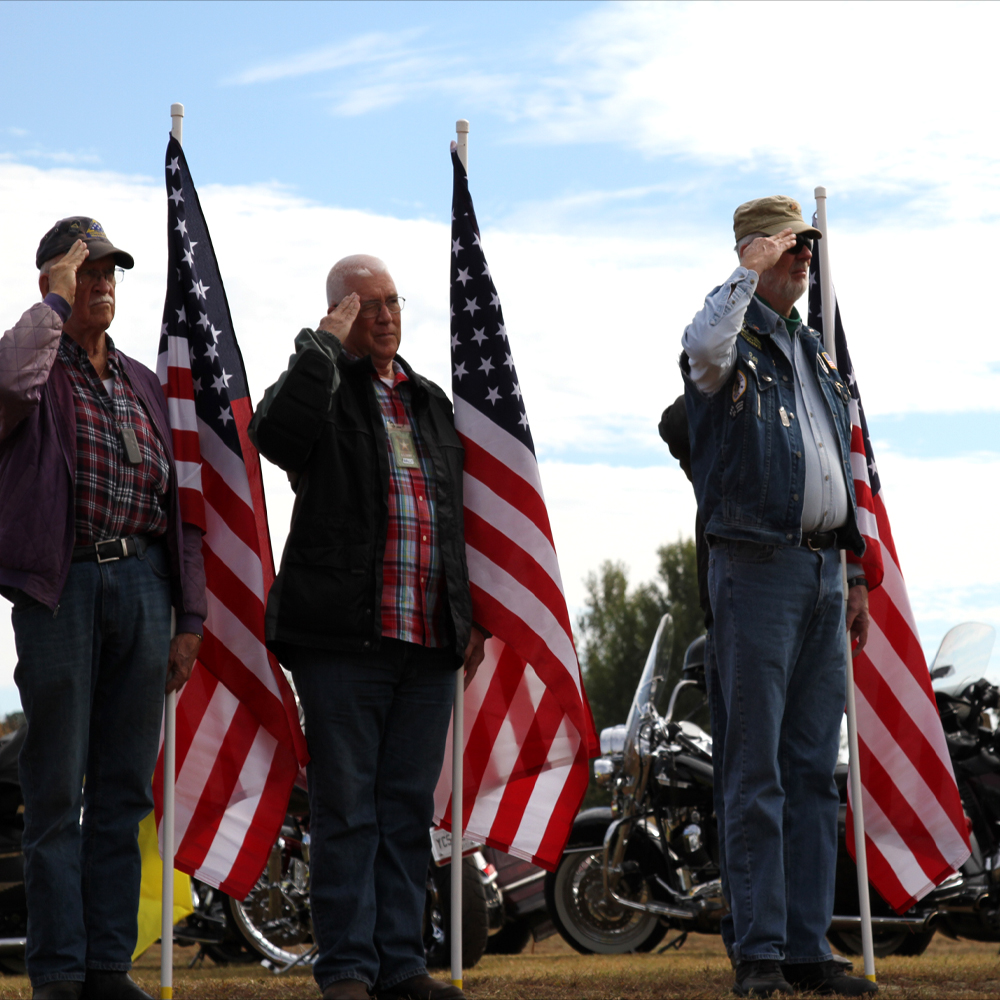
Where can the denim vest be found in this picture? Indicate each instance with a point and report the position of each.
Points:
(746, 441)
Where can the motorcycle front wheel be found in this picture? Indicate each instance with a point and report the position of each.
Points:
(589, 923)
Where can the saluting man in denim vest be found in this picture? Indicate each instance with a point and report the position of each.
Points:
(770, 455)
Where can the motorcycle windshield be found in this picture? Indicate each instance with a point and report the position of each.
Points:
(964, 657)
(645, 692)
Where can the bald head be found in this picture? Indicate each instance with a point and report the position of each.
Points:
(345, 275)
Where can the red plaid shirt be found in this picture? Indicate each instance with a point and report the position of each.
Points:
(113, 498)
(413, 595)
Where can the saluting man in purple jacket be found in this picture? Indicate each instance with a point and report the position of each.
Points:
(93, 556)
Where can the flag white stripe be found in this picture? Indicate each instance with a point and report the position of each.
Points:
(521, 530)
(189, 475)
(912, 697)
(547, 788)
(241, 808)
(240, 641)
(225, 462)
(909, 782)
(893, 847)
(239, 557)
(182, 414)
(538, 616)
(201, 756)
(502, 446)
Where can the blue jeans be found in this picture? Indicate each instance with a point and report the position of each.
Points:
(777, 680)
(91, 679)
(376, 726)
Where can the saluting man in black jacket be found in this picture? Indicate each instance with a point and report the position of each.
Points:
(372, 613)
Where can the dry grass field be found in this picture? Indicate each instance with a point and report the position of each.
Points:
(553, 971)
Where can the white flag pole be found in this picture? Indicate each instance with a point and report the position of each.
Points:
(169, 766)
(458, 735)
(860, 850)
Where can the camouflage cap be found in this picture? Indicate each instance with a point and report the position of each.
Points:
(79, 227)
(770, 216)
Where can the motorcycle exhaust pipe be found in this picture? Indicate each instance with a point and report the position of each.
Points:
(659, 909)
(913, 924)
(12, 946)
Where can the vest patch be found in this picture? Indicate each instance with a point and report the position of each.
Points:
(739, 385)
(826, 357)
(750, 338)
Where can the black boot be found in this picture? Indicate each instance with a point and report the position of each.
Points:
(62, 989)
(760, 978)
(106, 985)
(828, 978)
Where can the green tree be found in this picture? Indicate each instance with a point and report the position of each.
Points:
(679, 577)
(618, 625)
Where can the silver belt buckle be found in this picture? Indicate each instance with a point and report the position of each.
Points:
(110, 558)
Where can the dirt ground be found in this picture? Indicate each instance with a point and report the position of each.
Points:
(553, 971)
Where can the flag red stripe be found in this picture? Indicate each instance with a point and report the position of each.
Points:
(218, 791)
(509, 556)
(242, 412)
(880, 786)
(180, 384)
(187, 445)
(560, 826)
(263, 831)
(532, 648)
(507, 485)
(238, 516)
(266, 710)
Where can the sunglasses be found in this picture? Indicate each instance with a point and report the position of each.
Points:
(800, 242)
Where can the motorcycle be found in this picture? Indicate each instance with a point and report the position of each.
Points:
(650, 862)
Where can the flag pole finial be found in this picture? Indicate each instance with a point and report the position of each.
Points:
(819, 192)
(177, 122)
(462, 128)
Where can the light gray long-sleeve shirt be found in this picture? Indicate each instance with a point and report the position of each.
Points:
(710, 343)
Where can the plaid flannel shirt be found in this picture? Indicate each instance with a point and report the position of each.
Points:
(413, 594)
(113, 498)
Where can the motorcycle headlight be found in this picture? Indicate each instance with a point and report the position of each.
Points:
(604, 771)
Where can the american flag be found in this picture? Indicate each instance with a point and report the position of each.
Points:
(529, 733)
(239, 745)
(915, 828)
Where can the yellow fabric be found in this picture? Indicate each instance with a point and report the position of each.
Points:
(151, 889)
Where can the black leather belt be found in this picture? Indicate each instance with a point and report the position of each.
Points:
(816, 540)
(112, 549)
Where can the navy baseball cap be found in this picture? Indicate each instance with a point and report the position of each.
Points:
(79, 227)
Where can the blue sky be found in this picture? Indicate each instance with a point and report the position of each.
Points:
(610, 144)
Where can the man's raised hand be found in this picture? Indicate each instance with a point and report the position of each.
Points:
(766, 251)
(340, 318)
(62, 274)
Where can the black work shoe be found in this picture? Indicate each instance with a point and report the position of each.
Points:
(827, 978)
(108, 985)
(61, 989)
(760, 978)
(346, 989)
(420, 987)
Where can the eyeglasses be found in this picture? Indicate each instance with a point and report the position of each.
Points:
(800, 242)
(112, 275)
(372, 308)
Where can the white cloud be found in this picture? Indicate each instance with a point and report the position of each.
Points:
(876, 99)
(374, 47)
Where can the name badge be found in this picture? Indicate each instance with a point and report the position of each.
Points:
(403, 448)
(131, 444)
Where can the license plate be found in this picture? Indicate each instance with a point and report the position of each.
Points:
(441, 846)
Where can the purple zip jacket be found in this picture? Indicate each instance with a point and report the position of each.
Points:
(38, 468)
